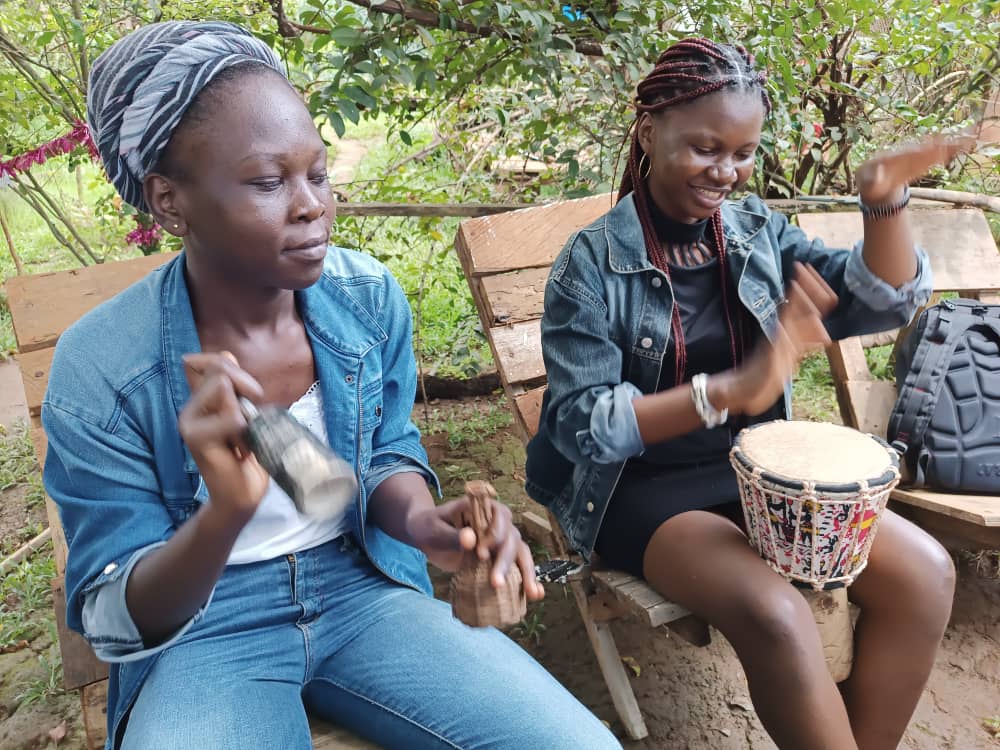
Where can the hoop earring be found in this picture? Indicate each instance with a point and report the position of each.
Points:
(649, 166)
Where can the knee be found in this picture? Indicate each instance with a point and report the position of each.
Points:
(928, 588)
(779, 616)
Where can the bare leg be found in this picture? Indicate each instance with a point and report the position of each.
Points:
(905, 595)
(703, 562)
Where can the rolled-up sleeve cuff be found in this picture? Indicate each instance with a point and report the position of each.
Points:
(379, 473)
(107, 623)
(880, 295)
(614, 432)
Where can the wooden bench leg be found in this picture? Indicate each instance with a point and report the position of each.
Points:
(603, 643)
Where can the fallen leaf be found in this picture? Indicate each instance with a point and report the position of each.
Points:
(14, 647)
(632, 664)
(57, 733)
(741, 702)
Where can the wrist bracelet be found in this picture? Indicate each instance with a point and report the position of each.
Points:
(709, 415)
(886, 210)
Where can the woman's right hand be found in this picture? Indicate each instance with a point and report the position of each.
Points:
(214, 429)
(760, 379)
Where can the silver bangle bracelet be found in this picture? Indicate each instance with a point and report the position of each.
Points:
(709, 415)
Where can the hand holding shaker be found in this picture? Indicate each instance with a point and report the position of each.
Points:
(474, 601)
(319, 482)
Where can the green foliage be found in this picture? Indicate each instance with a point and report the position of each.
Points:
(532, 627)
(18, 465)
(25, 592)
(49, 684)
(813, 395)
(846, 76)
(472, 426)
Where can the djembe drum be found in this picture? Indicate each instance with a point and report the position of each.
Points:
(474, 600)
(812, 495)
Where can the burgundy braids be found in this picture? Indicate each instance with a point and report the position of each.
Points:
(685, 71)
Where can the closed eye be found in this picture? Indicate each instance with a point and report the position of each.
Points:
(267, 186)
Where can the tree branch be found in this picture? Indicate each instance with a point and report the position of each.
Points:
(426, 18)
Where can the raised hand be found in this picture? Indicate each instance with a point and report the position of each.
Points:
(881, 179)
(214, 429)
(759, 381)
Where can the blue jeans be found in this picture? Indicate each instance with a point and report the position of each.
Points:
(323, 631)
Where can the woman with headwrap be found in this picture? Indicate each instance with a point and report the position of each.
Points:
(678, 318)
(224, 613)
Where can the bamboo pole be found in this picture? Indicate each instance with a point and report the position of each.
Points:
(25, 551)
(18, 266)
(959, 198)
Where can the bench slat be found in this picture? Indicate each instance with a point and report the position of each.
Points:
(940, 231)
(514, 297)
(42, 306)
(499, 243)
(639, 597)
(982, 510)
(35, 367)
(518, 352)
(529, 409)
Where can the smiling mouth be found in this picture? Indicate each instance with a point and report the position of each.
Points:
(710, 194)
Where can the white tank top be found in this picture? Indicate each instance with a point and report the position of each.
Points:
(277, 528)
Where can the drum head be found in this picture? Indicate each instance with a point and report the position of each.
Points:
(819, 452)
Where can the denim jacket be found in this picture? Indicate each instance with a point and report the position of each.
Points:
(605, 331)
(125, 481)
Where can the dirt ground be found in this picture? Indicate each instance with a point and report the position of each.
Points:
(691, 697)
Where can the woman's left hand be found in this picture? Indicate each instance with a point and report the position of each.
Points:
(440, 534)
(881, 179)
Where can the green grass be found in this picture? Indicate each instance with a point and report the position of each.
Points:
(18, 465)
(49, 685)
(470, 426)
(813, 395)
(26, 600)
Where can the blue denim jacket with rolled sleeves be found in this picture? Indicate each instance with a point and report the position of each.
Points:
(122, 477)
(605, 331)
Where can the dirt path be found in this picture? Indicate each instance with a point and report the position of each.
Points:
(345, 164)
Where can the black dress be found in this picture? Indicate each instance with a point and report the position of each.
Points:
(692, 471)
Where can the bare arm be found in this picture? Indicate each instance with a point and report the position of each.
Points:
(169, 585)
(888, 242)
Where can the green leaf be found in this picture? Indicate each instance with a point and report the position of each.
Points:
(337, 122)
(405, 138)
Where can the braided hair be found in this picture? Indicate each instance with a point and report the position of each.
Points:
(684, 72)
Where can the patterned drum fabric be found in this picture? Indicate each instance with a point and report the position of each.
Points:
(812, 494)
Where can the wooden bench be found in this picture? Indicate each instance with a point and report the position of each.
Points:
(506, 259)
(965, 260)
(42, 307)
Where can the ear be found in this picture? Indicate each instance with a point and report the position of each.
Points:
(161, 196)
(645, 130)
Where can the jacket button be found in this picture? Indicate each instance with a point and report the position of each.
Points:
(349, 379)
(590, 507)
(657, 282)
(646, 342)
(110, 568)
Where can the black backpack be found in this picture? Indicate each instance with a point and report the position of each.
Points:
(946, 421)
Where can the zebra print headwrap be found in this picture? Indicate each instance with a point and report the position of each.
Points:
(142, 85)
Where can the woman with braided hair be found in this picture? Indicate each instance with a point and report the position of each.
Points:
(224, 613)
(677, 319)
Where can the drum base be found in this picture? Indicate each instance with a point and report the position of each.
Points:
(833, 620)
